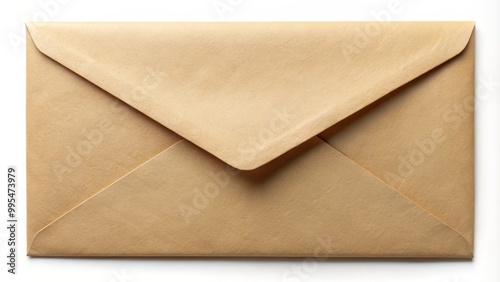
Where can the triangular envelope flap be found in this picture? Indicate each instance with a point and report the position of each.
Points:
(248, 92)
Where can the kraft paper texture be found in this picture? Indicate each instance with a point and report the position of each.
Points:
(324, 139)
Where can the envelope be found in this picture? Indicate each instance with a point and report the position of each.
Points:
(269, 139)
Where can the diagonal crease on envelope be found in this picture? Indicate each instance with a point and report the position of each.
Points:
(390, 173)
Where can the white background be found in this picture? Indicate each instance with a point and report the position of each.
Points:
(484, 267)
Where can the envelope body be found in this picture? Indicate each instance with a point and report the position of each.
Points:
(323, 139)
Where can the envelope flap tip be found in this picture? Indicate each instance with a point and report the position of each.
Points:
(249, 92)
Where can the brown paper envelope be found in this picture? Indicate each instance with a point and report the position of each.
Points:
(327, 139)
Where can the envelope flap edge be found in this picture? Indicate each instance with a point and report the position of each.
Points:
(236, 128)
